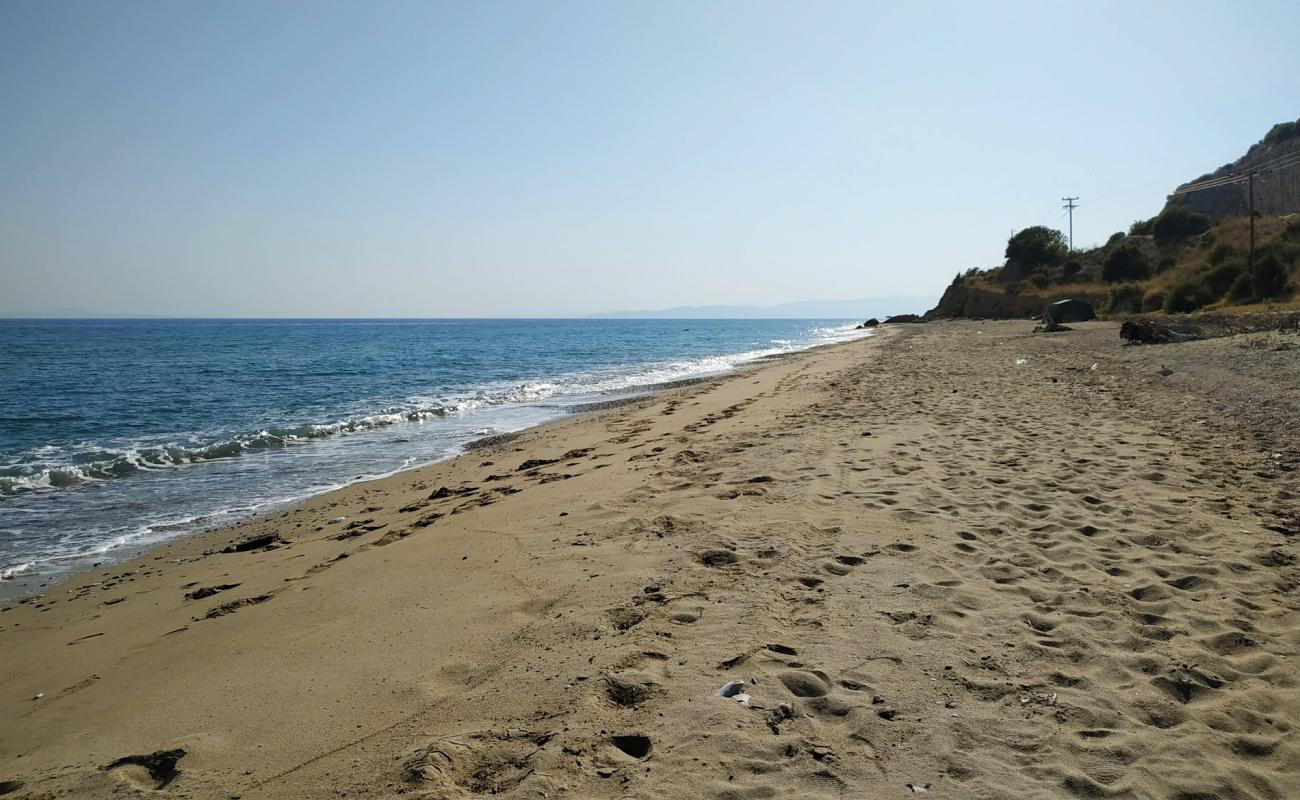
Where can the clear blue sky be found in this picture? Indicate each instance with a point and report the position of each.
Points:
(492, 158)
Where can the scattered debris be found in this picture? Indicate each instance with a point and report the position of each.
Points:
(208, 591)
(235, 605)
(734, 661)
(253, 543)
(1158, 330)
(736, 690)
(1050, 325)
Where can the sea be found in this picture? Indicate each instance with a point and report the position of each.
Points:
(118, 434)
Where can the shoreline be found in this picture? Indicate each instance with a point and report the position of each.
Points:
(952, 554)
(25, 584)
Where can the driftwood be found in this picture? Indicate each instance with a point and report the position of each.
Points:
(1164, 330)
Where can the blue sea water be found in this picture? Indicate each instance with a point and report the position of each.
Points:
(115, 434)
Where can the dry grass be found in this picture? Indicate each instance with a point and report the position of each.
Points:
(1191, 260)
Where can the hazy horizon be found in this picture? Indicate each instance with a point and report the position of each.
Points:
(860, 308)
(513, 160)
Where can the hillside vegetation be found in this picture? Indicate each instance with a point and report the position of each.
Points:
(1139, 272)
(1179, 261)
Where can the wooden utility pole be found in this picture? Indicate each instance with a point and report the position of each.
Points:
(1250, 206)
(1070, 206)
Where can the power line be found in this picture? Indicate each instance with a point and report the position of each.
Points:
(1069, 207)
(1280, 162)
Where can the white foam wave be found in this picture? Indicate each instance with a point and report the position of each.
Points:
(43, 469)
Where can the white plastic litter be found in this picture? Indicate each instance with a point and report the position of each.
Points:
(735, 690)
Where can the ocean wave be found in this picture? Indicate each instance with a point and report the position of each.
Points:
(50, 467)
(87, 464)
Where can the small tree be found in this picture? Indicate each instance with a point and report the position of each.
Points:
(1185, 297)
(1125, 263)
(1221, 253)
(1221, 278)
(1242, 289)
(1269, 277)
(1034, 248)
(1141, 228)
(1178, 222)
(1125, 299)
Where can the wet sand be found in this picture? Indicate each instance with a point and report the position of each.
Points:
(930, 565)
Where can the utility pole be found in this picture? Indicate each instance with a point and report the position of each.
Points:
(1070, 206)
(1250, 205)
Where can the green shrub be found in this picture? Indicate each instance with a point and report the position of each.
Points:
(1125, 299)
(1115, 238)
(1141, 228)
(1186, 297)
(1221, 254)
(1282, 131)
(1220, 279)
(1165, 263)
(1153, 301)
(1126, 263)
(1040, 279)
(1178, 222)
(1242, 289)
(1072, 267)
(1270, 277)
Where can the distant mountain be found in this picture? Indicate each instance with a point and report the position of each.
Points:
(880, 307)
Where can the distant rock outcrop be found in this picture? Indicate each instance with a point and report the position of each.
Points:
(1277, 191)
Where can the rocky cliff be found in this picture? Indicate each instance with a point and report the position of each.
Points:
(1277, 191)
(964, 300)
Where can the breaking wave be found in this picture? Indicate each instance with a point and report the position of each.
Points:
(57, 467)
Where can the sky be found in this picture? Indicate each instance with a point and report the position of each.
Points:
(490, 158)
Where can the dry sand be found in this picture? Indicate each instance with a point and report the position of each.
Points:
(931, 566)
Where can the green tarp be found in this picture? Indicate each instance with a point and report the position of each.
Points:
(1070, 310)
